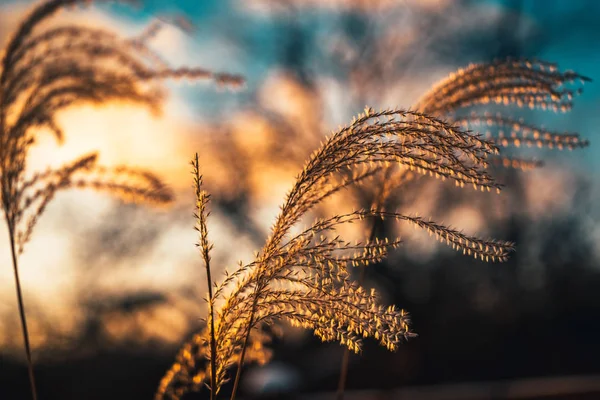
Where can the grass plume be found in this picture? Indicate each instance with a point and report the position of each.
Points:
(532, 83)
(521, 82)
(304, 278)
(46, 70)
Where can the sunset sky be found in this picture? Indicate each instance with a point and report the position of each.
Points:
(229, 37)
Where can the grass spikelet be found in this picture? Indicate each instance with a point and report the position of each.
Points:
(530, 83)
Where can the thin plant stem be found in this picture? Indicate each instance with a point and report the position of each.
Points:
(243, 353)
(377, 225)
(236, 383)
(376, 229)
(213, 343)
(202, 199)
(22, 311)
(343, 374)
(346, 356)
(238, 374)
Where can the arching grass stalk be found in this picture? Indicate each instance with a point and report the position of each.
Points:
(304, 278)
(44, 70)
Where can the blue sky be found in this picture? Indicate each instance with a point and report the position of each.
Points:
(565, 32)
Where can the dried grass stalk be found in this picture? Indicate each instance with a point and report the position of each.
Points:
(532, 83)
(44, 70)
(304, 278)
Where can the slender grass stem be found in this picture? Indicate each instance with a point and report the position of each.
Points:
(242, 355)
(201, 201)
(346, 357)
(343, 374)
(22, 311)
(245, 345)
(213, 344)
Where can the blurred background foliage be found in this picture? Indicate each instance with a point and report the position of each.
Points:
(109, 312)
